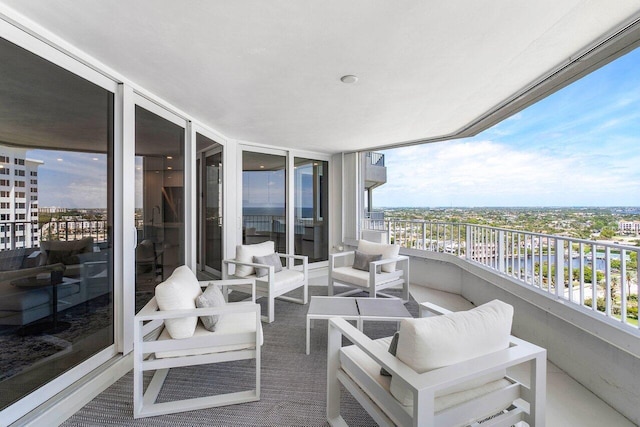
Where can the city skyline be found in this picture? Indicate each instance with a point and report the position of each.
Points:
(577, 147)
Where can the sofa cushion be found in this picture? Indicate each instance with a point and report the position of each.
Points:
(434, 342)
(229, 324)
(245, 253)
(211, 297)
(283, 279)
(271, 259)
(11, 259)
(361, 278)
(387, 251)
(179, 292)
(361, 261)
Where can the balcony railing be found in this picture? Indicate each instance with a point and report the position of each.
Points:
(26, 234)
(375, 159)
(595, 275)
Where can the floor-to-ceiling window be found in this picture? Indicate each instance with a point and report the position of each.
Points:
(311, 208)
(56, 216)
(264, 199)
(209, 203)
(159, 205)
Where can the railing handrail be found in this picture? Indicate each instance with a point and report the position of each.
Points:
(591, 274)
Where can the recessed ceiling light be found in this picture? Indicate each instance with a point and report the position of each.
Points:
(169, 157)
(261, 166)
(169, 167)
(349, 79)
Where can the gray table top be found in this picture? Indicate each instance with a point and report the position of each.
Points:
(337, 306)
(383, 307)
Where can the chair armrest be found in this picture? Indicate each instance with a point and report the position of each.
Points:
(334, 257)
(223, 284)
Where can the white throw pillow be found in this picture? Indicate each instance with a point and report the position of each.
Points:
(179, 292)
(245, 253)
(434, 342)
(387, 251)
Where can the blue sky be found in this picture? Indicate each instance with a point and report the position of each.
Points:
(578, 147)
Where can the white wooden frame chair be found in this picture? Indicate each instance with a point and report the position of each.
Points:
(375, 280)
(371, 390)
(219, 347)
(275, 284)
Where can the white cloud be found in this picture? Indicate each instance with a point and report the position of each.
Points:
(486, 173)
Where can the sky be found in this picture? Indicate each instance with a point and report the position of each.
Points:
(577, 147)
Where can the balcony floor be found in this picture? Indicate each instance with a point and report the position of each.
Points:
(568, 402)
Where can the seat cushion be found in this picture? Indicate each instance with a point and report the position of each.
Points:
(361, 278)
(179, 292)
(230, 323)
(352, 355)
(283, 279)
(434, 342)
(245, 253)
(387, 252)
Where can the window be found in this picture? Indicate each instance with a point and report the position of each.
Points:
(159, 213)
(31, 93)
(33, 189)
(5, 205)
(264, 199)
(310, 208)
(34, 198)
(4, 182)
(5, 193)
(34, 182)
(4, 159)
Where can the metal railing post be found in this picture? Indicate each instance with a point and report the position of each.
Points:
(501, 251)
(469, 243)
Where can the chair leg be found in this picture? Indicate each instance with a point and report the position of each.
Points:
(271, 302)
(333, 385)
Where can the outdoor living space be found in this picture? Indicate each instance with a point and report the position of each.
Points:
(293, 383)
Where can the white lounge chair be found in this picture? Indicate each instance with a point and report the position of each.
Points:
(468, 383)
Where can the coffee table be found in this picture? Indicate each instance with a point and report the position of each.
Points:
(358, 309)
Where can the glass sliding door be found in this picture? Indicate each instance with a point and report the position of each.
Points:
(264, 199)
(56, 216)
(210, 205)
(311, 192)
(159, 205)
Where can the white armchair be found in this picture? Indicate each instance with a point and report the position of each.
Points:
(272, 280)
(373, 267)
(449, 370)
(237, 336)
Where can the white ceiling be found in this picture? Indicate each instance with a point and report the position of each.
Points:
(269, 71)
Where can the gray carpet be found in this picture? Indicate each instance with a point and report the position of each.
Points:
(293, 384)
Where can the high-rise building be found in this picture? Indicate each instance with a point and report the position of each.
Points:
(18, 199)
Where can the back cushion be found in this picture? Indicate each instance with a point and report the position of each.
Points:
(179, 292)
(245, 253)
(387, 251)
(434, 342)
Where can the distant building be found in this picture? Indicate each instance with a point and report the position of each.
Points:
(18, 199)
(629, 227)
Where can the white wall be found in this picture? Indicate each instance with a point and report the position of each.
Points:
(580, 345)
